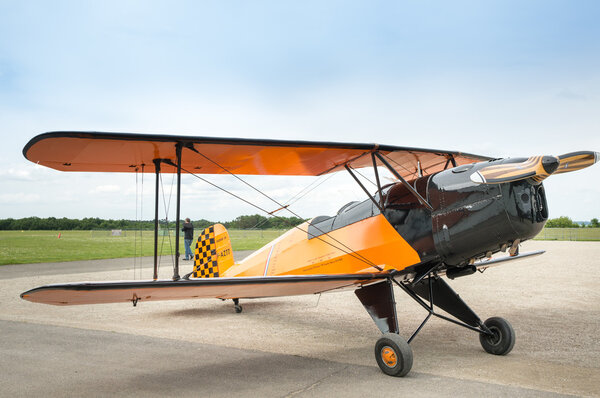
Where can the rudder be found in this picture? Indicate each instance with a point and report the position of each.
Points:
(213, 254)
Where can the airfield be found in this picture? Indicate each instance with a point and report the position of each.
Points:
(317, 345)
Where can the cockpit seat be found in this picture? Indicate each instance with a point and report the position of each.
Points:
(348, 214)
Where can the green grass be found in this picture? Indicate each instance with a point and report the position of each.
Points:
(23, 247)
(579, 234)
(18, 247)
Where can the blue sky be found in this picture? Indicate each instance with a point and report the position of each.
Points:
(494, 78)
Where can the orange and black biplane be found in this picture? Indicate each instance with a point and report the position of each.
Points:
(446, 214)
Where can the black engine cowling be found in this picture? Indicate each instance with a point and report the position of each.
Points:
(469, 220)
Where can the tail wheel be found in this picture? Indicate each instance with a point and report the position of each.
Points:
(502, 340)
(394, 355)
(237, 305)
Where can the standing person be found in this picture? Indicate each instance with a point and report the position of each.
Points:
(188, 236)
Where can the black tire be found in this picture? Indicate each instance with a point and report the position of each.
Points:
(237, 305)
(393, 354)
(504, 337)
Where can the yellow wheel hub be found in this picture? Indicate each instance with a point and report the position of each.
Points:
(389, 356)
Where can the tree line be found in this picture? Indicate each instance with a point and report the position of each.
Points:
(566, 222)
(255, 221)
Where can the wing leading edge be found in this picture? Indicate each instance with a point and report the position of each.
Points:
(123, 152)
(225, 288)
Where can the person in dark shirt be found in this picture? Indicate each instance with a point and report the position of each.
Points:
(188, 236)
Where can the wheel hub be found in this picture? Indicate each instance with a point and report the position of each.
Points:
(495, 338)
(389, 356)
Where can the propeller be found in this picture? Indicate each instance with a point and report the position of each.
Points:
(576, 161)
(536, 168)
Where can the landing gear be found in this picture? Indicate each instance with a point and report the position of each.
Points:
(237, 306)
(502, 339)
(392, 352)
(394, 355)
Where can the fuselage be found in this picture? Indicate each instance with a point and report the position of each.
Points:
(468, 221)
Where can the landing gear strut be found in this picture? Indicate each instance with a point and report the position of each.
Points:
(237, 306)
(392, 352)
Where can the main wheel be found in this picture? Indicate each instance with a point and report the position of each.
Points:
(503, 339)
(394, 355)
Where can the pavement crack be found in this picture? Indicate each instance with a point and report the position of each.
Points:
(316, 383)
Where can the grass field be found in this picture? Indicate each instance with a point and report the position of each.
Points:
(583, 234)
(26, 247)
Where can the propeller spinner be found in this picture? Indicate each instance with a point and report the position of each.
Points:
(536, 168)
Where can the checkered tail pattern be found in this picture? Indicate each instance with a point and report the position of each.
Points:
(205, 259)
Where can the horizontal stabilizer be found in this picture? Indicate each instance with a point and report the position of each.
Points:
(224, 288)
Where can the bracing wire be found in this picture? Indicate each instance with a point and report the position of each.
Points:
(345, 248)
(360, 256)
(302, 193)
(167, 206)
(360, 174)
(412, 173)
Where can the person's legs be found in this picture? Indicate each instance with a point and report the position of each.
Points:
(188, 249)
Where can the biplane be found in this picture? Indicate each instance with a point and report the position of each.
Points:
(444, 215)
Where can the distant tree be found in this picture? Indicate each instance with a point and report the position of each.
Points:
(594, 223)
(248, 222)
(6, 224)
(255, 221)
(561, 222)
(202, 223)
(284, 222)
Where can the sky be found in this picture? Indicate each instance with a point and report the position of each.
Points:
(496, 78)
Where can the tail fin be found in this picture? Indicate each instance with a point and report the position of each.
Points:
(213, 254)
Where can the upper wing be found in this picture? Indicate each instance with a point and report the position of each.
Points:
(248, 287)
(120, 152)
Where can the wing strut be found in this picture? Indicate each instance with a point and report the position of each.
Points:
(408, 186)
(178, 147)
(363, 187)
(157, 169)
(450, 160)
(377, 180)
(157, 162)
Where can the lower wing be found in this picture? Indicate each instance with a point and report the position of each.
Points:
(224, 288)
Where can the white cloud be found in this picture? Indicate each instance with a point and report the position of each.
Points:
(16, 174)
(25, 172)
(106, 189)
(19, 198)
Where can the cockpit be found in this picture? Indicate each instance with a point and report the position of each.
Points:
(397, 202)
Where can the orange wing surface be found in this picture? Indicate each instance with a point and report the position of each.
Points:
(225, 288)
(120, 152)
